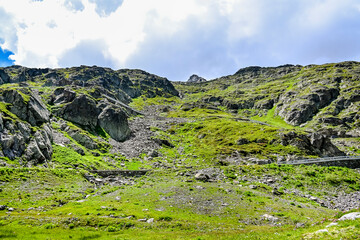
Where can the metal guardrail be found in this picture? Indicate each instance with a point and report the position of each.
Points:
(320, 160)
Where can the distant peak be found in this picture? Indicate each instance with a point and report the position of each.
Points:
(195, 79)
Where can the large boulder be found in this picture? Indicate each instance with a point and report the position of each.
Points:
(82, 110)
(114, 122)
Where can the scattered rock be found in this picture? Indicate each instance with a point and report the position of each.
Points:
(150, 220)
(331, 225)
(313, 198)
(153, 153)
(3, 207)
(350, 216)
(270, 218)
(299, 225)
(142, 220)
(242, 141)
(275, 191)
(202, 177)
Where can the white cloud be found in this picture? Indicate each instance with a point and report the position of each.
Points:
(8, 36)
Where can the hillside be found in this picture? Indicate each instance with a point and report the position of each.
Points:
(212, 148)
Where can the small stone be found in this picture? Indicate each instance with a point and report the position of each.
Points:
(322, 231)
(11, 209)
(270, 218)
(153, 153)
(103, 207)
(331, 225)
(81, 201)
(253, 186)
(3, 207)
(313, 198)
(275, 191)
(117, 198)
(142, 220)
(202, 177)
(150, 220)
(300, 225)
(270, 180)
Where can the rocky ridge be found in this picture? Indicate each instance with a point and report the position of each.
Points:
(80, 99)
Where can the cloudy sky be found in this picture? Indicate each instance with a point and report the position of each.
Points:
(176, 38)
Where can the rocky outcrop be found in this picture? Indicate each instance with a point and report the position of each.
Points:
(196, 79)
(82, 110)
(39, 148)
(114, 122)
(19, 140)
(313, 144)
(27, 106)
(297, 108)
(82, 139)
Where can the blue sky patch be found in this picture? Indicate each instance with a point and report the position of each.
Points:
(4, 58)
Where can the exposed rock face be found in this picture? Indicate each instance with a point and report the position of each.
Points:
(82, 111)
(297, 109)
(114, 122)
(31, 110)
(82, 139)
(39, 148)
(62, 95)
(314, 143)
(196, 79)
(17, 141)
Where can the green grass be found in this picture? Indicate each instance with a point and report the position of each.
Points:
(181, 209)
(274, 120)
(4, 110)
(209, 138)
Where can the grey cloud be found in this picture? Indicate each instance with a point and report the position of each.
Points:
(106, 7)
(87, 52)
(284, 36)
(194, 49)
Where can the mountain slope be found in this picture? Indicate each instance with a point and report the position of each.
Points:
(212, 149)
